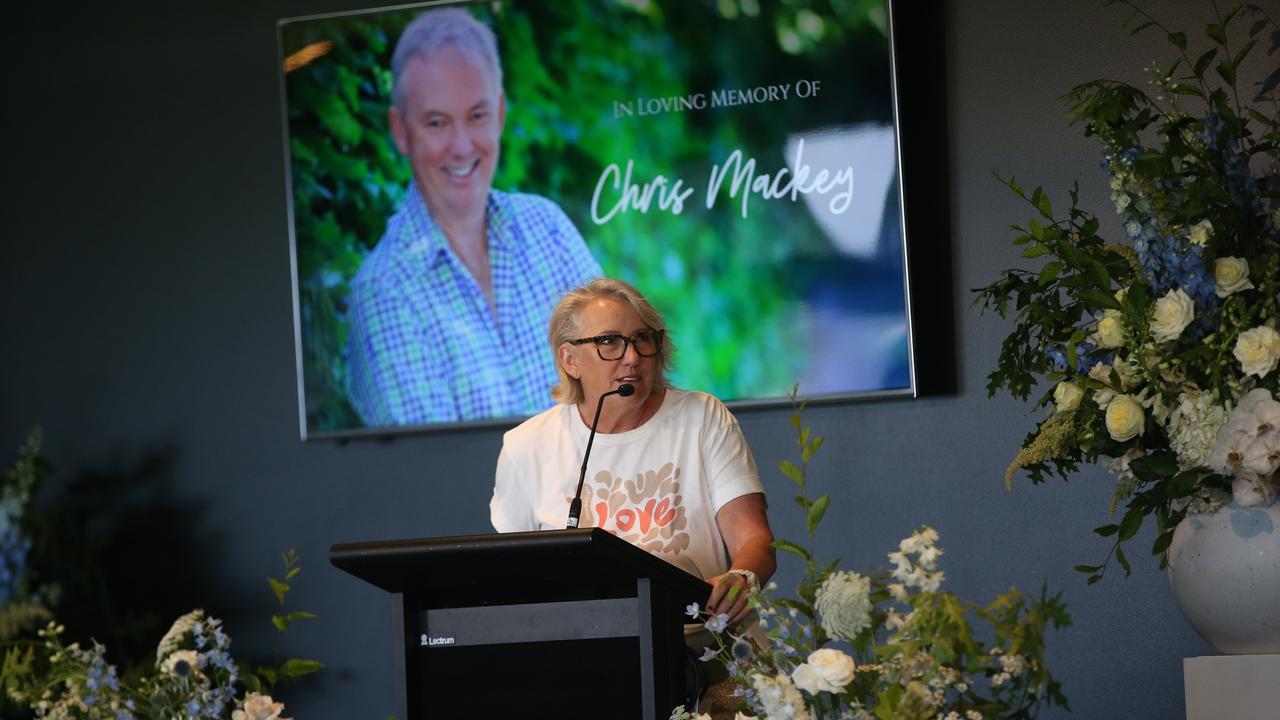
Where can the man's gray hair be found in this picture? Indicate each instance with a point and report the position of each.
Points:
(434, 29)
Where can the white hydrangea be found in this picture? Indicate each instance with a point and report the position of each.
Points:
(844, 604)
(1193, 426)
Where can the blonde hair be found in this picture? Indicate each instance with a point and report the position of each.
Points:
(565, 326)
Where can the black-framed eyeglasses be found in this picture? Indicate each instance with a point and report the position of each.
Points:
(613, 346)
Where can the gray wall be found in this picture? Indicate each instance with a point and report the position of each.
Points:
(145, 289)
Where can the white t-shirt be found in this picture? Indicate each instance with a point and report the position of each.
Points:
(658, 486)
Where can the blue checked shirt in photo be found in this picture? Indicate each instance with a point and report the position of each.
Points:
(423, 344)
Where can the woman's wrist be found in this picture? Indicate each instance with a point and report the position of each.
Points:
(752, 579)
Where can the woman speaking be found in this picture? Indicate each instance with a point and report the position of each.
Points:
(669, 471)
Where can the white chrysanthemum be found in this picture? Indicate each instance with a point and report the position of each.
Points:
(173, 639)
(780, 698)
(1193, 426)
(844, 605)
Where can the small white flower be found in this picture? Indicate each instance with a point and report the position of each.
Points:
(780, 698)
(1125, 418)
(898, 592)
(718, 623)
(1258, 350)
(691, 610)
(919, 541)
(1172, 314)
(1201, 232)
(1102, 373)
(1012, 664)
(1230, 275)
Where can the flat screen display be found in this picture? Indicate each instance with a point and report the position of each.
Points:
(734, 160)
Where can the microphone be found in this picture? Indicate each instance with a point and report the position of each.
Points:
(575, 507)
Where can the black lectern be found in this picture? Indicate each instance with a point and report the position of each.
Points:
(538, 624)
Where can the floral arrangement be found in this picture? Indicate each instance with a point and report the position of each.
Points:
(193, 675)
(21, 605)
(889, 644)
(1159, 353)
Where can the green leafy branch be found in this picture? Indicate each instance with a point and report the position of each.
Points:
(814, 510)
(292, 667)
(1049, 306)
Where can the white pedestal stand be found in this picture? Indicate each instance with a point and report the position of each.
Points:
(1232, 687)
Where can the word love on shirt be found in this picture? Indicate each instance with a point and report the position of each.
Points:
(738, 177)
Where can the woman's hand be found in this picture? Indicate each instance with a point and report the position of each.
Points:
(729, 593)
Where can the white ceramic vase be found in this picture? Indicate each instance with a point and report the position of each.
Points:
(1224, 569)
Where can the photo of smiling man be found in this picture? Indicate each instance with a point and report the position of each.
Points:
(448, 313)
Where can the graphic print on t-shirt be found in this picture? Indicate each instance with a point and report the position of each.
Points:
(647, 512)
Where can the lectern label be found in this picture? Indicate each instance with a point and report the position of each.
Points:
(429, 641)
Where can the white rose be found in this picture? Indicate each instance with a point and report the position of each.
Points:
(1258, 350)
(259, 707)
(826, 670)
(1110, 332)
(1230, 274)
(1173, 313)
(1201, 232)
(1125, 418)
(1067, 396)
